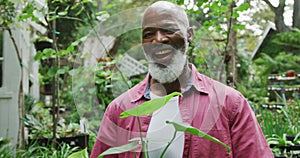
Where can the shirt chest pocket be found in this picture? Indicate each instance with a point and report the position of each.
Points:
(201, 147)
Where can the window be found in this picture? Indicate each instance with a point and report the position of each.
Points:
(1, 58)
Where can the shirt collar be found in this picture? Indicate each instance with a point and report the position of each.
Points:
(197, 80)
(188, 87)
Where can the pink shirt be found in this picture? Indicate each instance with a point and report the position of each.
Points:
(210, 106)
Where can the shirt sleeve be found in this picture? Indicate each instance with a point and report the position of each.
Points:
(246, 134)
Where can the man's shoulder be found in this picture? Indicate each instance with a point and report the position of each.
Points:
(129, 96)
(119, 104)
(211, 82)
(219, 88)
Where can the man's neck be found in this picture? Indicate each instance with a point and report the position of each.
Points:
(168, 88)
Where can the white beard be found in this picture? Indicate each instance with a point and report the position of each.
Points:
(172, 71)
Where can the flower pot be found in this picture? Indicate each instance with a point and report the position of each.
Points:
(80, 141)
(41, 45)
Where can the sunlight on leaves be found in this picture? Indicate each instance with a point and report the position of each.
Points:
(80, 154)
(196, 132)
(120, 149)
(149, 107)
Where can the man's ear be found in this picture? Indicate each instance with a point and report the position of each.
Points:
(190, 34)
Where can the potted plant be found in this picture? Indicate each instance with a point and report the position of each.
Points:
(39, 127)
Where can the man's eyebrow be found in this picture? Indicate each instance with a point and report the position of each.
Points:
(149, 29)
(165, 27)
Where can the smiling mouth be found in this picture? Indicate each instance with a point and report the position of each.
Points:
(163, 52)
(163, 57)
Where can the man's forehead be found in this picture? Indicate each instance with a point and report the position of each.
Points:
(163, 4)
(160, 14)
(165, 12)
(165, 24)
(161, 9)
(154, 16)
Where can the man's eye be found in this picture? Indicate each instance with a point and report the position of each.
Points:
(148, 35)
(170, 31)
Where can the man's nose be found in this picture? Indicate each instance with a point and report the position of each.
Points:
(160, 37)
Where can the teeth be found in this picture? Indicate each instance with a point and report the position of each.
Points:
(162, 52)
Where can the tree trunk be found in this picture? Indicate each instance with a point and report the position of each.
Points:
(279, 19)
(231, 50)
(55, 89)
(296, 14)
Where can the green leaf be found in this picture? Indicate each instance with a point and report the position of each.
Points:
(197, 132)
(149, 107)
(66, 51)
(75, 6)
(45, 54)
(101, 13)
(243, 7)
(239, 27)
(80, 11)
(80, 154)
(38, 56)
(215, 6)
(109, 6)
(53, 17)
(63, 70)
(52, 71)
(77, 42)
(180, 2)
(72, 72)
(223, 9)
(235, 15)
(63, 13)
(199, 3)
(86, 1)
(120, 149)
(296, 137)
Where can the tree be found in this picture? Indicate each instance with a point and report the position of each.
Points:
(296, 14)
(220, 19)
(286, 36)
(279, 19)
(231, 48)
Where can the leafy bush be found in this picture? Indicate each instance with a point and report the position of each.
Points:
(6, 149)
(35, 151)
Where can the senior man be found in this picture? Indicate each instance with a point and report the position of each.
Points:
(206, 104)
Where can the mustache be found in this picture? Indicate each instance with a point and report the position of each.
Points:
(151, 61)
(153, 47)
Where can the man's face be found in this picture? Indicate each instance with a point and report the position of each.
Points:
(165, 43)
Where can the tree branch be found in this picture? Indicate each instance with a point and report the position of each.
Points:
(270, 5)
(281, 4)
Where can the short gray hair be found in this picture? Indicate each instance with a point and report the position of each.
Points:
(173, 8)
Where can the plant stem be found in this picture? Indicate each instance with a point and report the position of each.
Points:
(147, 149)
(169, 143)
(141, 136)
